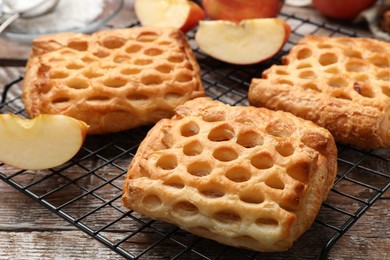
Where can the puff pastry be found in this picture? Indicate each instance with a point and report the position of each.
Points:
(113, 80)
(342, 84)
(244, 176)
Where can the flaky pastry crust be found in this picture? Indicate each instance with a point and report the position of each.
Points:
(113, 80)
(243, 176)
(342, 84)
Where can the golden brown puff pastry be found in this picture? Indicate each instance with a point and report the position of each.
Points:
(113, 80)
(342, 84)
(243, 176)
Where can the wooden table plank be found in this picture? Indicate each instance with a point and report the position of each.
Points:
(30, 231)
(52, 245)
(33, 232)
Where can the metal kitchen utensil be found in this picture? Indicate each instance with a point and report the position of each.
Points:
(37, 9)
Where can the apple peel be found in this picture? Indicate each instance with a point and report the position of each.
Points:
(181, 14)
(43, 142)
(247, 42)
(238, 10)
(347, 10)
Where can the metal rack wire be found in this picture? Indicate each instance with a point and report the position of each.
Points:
(86, 191)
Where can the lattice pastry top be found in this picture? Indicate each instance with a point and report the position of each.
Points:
(113, 80)
(243, 176)
(342, 84)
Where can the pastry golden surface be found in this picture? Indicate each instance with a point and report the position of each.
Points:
(113, 80)
(342, 84)
(243, 176)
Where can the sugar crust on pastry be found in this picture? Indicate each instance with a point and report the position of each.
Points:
(342, 84)
(243, 176)
(113, 80)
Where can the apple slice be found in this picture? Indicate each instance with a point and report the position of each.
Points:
(247, 42)
(43, 142)
(182, 14)
(238, 10)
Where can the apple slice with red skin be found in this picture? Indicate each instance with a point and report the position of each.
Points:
(43, 142)
(238, 10)
(247, 42)
(181, 14)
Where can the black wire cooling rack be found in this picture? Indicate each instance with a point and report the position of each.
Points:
(86, 191)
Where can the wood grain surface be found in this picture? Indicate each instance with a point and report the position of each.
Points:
(30, 231)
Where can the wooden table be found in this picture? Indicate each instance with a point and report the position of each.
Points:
(29, 231)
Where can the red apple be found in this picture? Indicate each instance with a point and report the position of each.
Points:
(342, 9)
(182, 14)
(247, 42)
(237, 10)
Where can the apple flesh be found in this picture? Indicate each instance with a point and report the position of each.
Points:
(43, 142)
(181, 14)
(247, 42)
(238, 10)
(342, 9)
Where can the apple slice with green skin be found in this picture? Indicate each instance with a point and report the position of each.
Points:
(247, 42)
(43, 142)
(181, 14)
